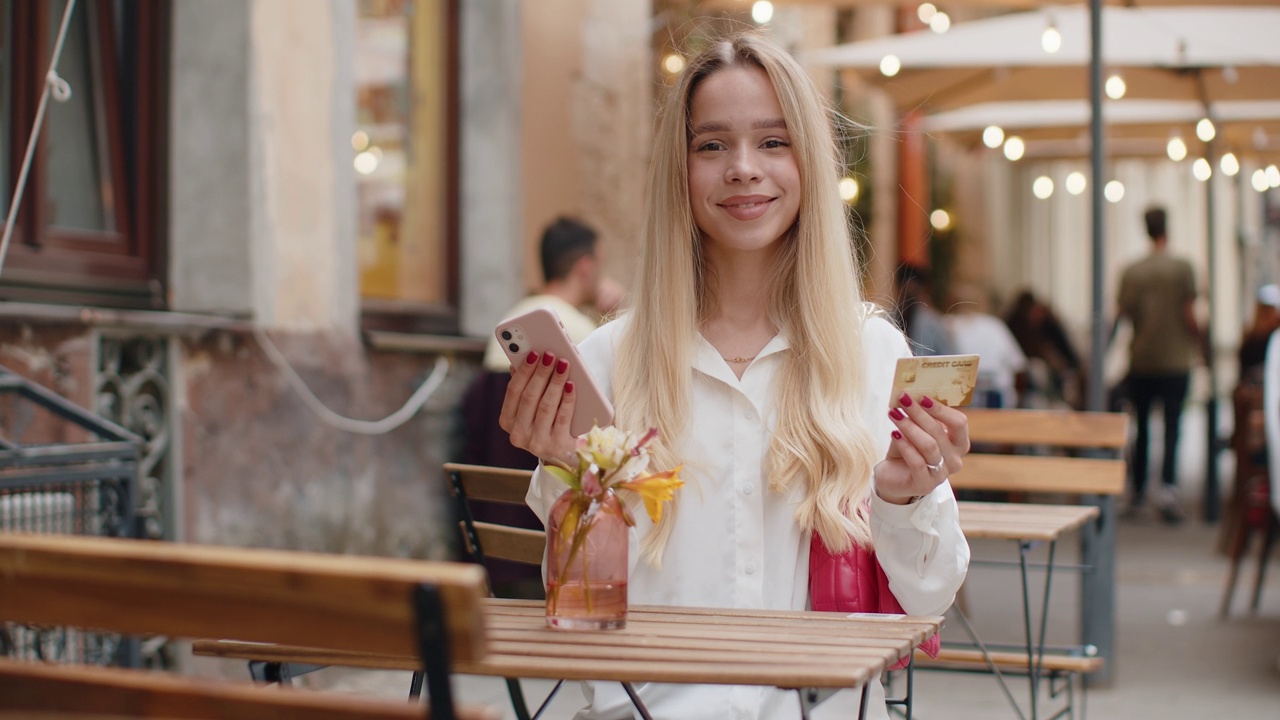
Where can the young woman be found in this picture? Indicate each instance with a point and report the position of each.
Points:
(749, 347)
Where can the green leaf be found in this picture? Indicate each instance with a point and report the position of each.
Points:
(564, 476)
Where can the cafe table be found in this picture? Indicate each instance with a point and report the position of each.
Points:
(804, 651)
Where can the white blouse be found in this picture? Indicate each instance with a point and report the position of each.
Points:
(736, 543)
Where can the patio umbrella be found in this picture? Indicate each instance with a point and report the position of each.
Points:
(1185, 53)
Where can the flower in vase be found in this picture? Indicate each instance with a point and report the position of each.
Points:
(612, 459)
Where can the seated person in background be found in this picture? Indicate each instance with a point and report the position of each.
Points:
(1045, 343)
(1253, 346)
(977, 332)
(573, 280)
(919, 320)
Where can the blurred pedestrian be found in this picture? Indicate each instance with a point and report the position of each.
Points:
(1054, 365)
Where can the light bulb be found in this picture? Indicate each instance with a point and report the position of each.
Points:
(1051, 40)
(926, 11)
(1076, 183)
(1014, 148)
(1201, 169)
(762, 11)
(1273, 176)
(673, 63)
(1229, 164)
(993, 136)
(1113, 191)
(1205, 130)
(940, 219)
(1176, 148)
(1115, 87)
(1042, 187)
(940, 22)
(1259, 180)
(890, 65)
(848, 188)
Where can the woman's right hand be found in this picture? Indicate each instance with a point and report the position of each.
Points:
(538, 407)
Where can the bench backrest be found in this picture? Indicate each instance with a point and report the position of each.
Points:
(194, 591)
(491, 540)
(1056, 430)
(64, 691)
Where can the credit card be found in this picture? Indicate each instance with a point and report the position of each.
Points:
(949, 379)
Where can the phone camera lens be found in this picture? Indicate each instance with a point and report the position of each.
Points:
(514, 347)
(506, 334)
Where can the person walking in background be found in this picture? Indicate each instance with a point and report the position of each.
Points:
(975, 331)
(919, 320)
(1054, 365)
(1157, 296)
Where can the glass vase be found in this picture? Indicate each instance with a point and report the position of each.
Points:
(587, 548)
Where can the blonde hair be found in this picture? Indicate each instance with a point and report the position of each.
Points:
(813, 298)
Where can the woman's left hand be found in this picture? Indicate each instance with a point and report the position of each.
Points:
(928, 445)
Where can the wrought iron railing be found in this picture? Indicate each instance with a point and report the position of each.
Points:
(64, 470)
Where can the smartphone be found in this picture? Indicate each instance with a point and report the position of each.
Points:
(540, 331)
(949, 379)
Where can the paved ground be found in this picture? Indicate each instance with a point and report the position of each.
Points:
(1175, 659)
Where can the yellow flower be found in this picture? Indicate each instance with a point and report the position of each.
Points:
(655, 490)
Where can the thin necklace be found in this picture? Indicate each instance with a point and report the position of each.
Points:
(738, 359)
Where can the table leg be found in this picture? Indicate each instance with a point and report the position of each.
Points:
(635, 700)
(862, 703)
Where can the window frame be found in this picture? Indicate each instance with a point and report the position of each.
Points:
(434, 318)
(122, 267)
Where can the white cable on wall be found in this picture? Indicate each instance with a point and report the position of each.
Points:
(329, 417)
(61, 91)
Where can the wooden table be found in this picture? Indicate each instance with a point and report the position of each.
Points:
(1025, 524)
(660, 644)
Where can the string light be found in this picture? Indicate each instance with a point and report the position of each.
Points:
(1229, 165)
(762, 11)
(993, 136)
(1205, 130)
(1259, 180)
(1116, 87)
(1201, 169)
(849, 189)
(940, 22)
(1113, 191)
(940, 219)
(1042, 187)
(1076, 183)
(1014, 148)
(926, 11)
(1273, 176)
(1051, 39)
(673, 63)
(890, 65)
(1176, 148)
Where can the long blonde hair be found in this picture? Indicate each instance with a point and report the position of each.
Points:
(813, 298)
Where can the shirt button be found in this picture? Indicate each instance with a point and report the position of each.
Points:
(750, 568)
(749, 415)
(748, 489)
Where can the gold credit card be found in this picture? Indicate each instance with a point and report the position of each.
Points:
(949, 379)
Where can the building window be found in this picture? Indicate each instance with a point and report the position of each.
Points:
(87, 226)
(405, 163)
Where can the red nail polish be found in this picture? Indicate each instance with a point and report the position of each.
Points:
(896, 435)
(531, 358)
(897, 414)
(905, 400)
(926, 402)
(547, 359)
(561, 366)
(568, 387)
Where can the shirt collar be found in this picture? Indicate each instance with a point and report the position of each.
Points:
(707, 360)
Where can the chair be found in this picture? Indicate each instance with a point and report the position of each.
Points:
(1249, 511)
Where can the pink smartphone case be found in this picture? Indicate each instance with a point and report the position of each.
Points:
(540, 330)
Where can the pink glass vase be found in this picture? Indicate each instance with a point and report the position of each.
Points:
(587, 563)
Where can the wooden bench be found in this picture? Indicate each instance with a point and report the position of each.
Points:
(1057, 472)
(423, 610)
